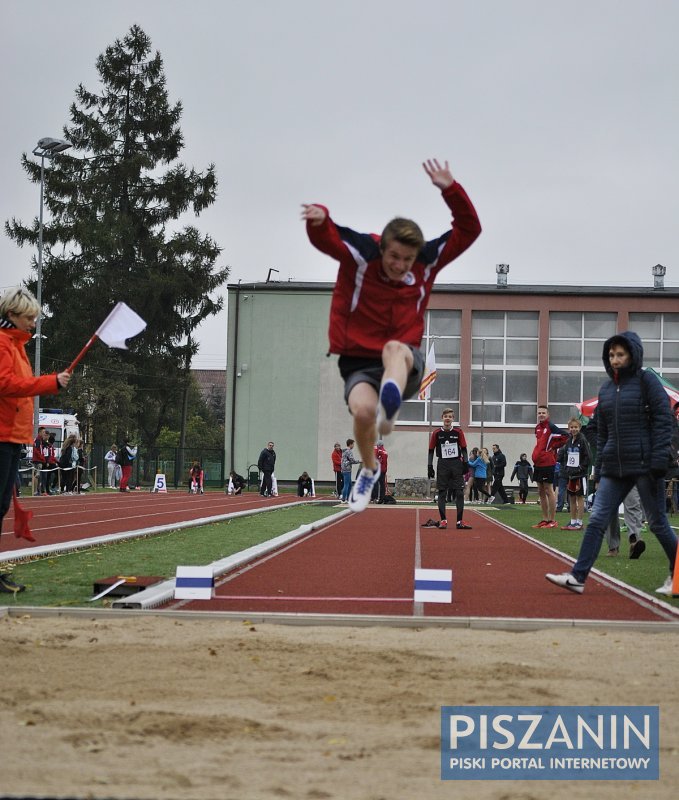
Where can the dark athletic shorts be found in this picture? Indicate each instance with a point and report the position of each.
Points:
(543, 474)
(449, 476)
(355, 369)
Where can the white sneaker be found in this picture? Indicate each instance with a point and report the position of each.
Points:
(566, 581)
(387, 410)
(666, 588)
(363, 488)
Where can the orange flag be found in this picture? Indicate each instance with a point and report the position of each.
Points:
(21, 519)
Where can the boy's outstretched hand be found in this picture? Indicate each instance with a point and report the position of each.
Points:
(312, 214)
(440, 176)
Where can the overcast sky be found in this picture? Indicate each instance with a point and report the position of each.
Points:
(560, 119)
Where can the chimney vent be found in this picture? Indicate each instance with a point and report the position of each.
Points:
(502, 270)
(658, 276)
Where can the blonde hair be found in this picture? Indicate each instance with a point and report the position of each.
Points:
(19, 301)
(576, 421)
(404, 231)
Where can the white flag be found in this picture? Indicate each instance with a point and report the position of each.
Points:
(429, 375)
(121, 324)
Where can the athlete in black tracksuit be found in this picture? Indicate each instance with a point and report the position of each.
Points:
(450, 446)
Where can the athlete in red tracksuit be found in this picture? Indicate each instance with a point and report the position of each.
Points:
(548, 439)
(378, 307)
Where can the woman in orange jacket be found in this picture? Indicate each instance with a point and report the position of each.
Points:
(18, 313)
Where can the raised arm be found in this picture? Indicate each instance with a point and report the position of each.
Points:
(466, 226)
(440, 176)
(336, 241)
(314, 215)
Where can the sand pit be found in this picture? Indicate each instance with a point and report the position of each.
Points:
(152, 707)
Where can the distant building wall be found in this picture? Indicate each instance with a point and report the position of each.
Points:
(276, 363)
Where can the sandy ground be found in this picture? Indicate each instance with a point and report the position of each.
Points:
(151, 707)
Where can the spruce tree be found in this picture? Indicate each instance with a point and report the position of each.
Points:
(112, 233)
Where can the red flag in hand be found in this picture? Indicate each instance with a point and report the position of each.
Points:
(21, 519)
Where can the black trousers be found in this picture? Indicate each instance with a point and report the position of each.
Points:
(498, 489)
(9, 469)
(450, 479)
(266, 483)
(379, 489)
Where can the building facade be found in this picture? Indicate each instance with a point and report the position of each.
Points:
(500, 350)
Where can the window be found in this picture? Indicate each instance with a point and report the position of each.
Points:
(504, 367)
(660, 335)
(442, 330)
(576, 369)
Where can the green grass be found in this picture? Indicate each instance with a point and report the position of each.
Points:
(67, 580)
(646, 573)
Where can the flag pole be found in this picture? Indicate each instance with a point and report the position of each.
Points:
(80, 355)
(432, 421)
(431, 393)
(483, 388)
(430, 402)
(431, 428)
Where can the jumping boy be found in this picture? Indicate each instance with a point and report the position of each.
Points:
(377, 311)
(450, 446)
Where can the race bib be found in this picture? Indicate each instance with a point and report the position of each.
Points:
(449, 450)
(573, 458)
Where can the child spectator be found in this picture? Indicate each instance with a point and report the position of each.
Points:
(575, 460)
(523, 471)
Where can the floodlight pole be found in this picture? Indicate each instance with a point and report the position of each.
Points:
(46, 148)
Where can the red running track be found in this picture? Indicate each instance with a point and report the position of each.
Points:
(68, 518)
(364, 564)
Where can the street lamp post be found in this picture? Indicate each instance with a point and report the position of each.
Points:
(46, 148)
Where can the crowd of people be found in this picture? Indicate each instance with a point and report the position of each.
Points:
(56, 468)
(64, 469)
